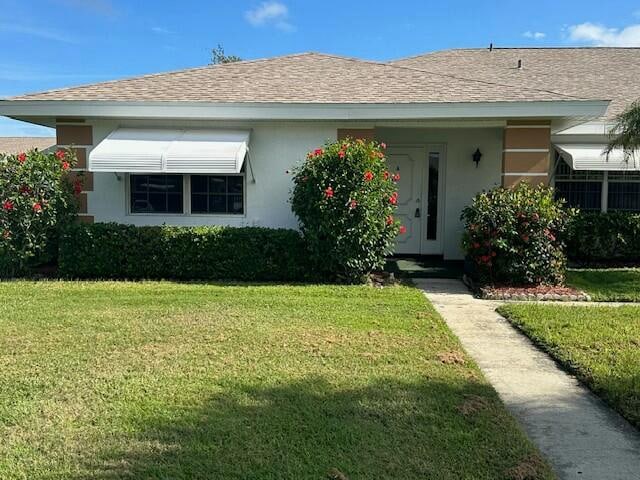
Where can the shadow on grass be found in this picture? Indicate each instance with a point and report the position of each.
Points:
(306, 429)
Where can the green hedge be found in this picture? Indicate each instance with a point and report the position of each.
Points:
(109, 250)
(612, 237)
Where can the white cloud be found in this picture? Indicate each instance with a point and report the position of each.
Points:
(36, 32)
(270, 13)
(602, 36)
(161, 30)
(534, 35)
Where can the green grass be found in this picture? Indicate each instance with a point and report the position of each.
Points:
(178, 381)
(615, 285)
(600, 344)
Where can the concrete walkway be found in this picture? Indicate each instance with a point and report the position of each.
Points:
(580, 436)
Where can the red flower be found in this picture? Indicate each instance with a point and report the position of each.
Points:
(65, 165)
(402, 230)
(7, 205)
(389, 220)
(22, 157)
(393, 200)
(476, 245)
(37, 207)
(353, 204)
(318, 151)
(328, 192)
(383, 145)
(77, 187)
(525, 237)
(368, 176)
(60, 154)
(341, 153)
(396, 177)
(385, 175)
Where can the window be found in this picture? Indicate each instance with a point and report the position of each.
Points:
(580, 188)
(624, 196)
(156, 194)
(217, 194)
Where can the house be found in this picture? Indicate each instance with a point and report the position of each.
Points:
(213, 145)
(12, 145)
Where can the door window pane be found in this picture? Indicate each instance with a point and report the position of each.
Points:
(432, 196)
(156, 193)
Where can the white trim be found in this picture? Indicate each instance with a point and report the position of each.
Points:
(524, 174)
(584, 109)
(525, 150)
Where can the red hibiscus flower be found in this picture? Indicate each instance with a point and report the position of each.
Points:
(37, 207)
(341, 154)
(328, 192)
(318, 151)
(402, 230)
(389, 220)
(65, 165)
(22, 157)
(393, 200)
(353, 204)
(7, 205)
(60, 154)
(368, 176)
(385, 175)
(396, 177)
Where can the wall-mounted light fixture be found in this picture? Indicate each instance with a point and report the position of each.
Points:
(477, 155)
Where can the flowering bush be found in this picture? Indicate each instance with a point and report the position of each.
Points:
(36, 198)
(514, 236)
(345, 198)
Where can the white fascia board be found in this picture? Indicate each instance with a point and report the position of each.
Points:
(279, 111)
(587, 128)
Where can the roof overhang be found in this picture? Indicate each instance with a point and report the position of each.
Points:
(582, 110)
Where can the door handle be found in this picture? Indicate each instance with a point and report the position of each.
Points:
(417, 214)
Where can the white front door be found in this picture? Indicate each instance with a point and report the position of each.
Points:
(420, 194)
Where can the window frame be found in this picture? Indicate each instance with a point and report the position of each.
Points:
(186, 199)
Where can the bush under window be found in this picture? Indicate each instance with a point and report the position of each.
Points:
(110, 250)
(515, 236)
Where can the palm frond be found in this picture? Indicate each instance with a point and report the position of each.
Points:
(625, 134)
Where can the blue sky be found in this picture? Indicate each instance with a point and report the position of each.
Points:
(54, 43)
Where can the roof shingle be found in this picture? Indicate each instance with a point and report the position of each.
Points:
(310, 78)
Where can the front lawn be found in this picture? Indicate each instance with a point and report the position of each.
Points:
(610, 285)
(176, 381)
(600, 344)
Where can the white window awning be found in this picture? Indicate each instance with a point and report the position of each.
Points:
(146, 150)
(590, 157)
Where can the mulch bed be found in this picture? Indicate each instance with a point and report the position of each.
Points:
(536, 293)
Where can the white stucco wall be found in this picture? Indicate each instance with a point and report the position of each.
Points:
(277, 147)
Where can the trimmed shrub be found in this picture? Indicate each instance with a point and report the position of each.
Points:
(110, 250)
(345, 198)
(515, 236)
(612, 237)
(36, 201)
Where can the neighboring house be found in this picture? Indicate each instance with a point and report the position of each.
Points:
(22, 144)
(213, 145)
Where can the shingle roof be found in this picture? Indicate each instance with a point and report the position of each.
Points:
(582, 72)
(307, 78)
(22, 144)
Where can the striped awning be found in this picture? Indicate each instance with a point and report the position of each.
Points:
(591, 157)
(146, 150)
